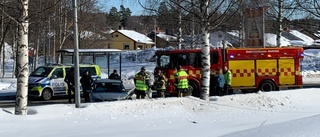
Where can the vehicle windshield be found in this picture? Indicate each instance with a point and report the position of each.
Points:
(109, 87)
(41, 72)
(173, 60)
(184, 59)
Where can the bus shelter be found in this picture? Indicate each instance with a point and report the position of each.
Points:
(100, 57)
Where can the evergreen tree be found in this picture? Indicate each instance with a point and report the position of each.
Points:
(125, 13)
(113, 18)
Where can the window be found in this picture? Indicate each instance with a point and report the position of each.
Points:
(91, 70)
(58, 72)
(163, 61)
(214, 57)
(126, 46)
(41, 72)
(195, 60)
(116, 35)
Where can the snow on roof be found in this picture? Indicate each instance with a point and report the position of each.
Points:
(217, 37)
(317, 34)
(136, 36)
(90, 34)
(307, 40)
(91, 50)
(271, 40)
(167, 37)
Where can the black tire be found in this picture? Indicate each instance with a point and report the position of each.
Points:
(194, 89)
(249, 91)
(46, 94)
(267, 85)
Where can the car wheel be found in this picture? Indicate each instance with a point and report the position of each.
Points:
(46, 94)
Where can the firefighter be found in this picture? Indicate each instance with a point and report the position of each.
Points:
(161, 84)
(181, 77)
(142, 83)
(228, 77)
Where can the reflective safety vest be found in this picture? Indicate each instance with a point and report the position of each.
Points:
(228, 77)
(141, 81)
(161, 82)
(182, 77)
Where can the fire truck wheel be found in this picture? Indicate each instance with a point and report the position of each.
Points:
(267, 85)
(194, 89)
(249, 90)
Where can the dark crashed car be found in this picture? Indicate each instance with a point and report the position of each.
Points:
(109, 90)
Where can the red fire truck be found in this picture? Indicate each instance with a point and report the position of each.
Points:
(253, 69)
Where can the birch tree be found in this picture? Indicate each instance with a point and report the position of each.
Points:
(205, 49)
(22, 60)
(212, 14)
(209, 15)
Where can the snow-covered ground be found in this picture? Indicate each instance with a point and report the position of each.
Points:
(281, 113)
(288, 113)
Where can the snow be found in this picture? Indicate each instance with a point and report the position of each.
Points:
(136, 36)
(306, 39)
(167, 37)
(283, 113)
(270, 39)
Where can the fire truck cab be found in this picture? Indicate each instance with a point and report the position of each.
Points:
(253, 69)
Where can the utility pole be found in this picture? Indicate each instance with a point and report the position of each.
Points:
(76, 54)
(49, 39)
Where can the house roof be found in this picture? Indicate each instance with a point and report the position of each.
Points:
(167, 37)
(90, 50)
(136, 36)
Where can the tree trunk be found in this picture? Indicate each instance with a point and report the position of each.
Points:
(63, 34)
(179, 36)
(280, 23)
(205, 49)
(14, 51)
(22, 62)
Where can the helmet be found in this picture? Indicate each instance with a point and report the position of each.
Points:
(225, 68)
(143, 68)
(158, 71)
(178, 67)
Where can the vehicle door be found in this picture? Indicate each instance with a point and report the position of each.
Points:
(57, 81)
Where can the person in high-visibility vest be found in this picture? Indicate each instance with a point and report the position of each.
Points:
(228, 78)
(142, 83)
(161, 83)
(181, 77)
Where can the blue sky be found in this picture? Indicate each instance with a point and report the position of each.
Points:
(134, 6)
